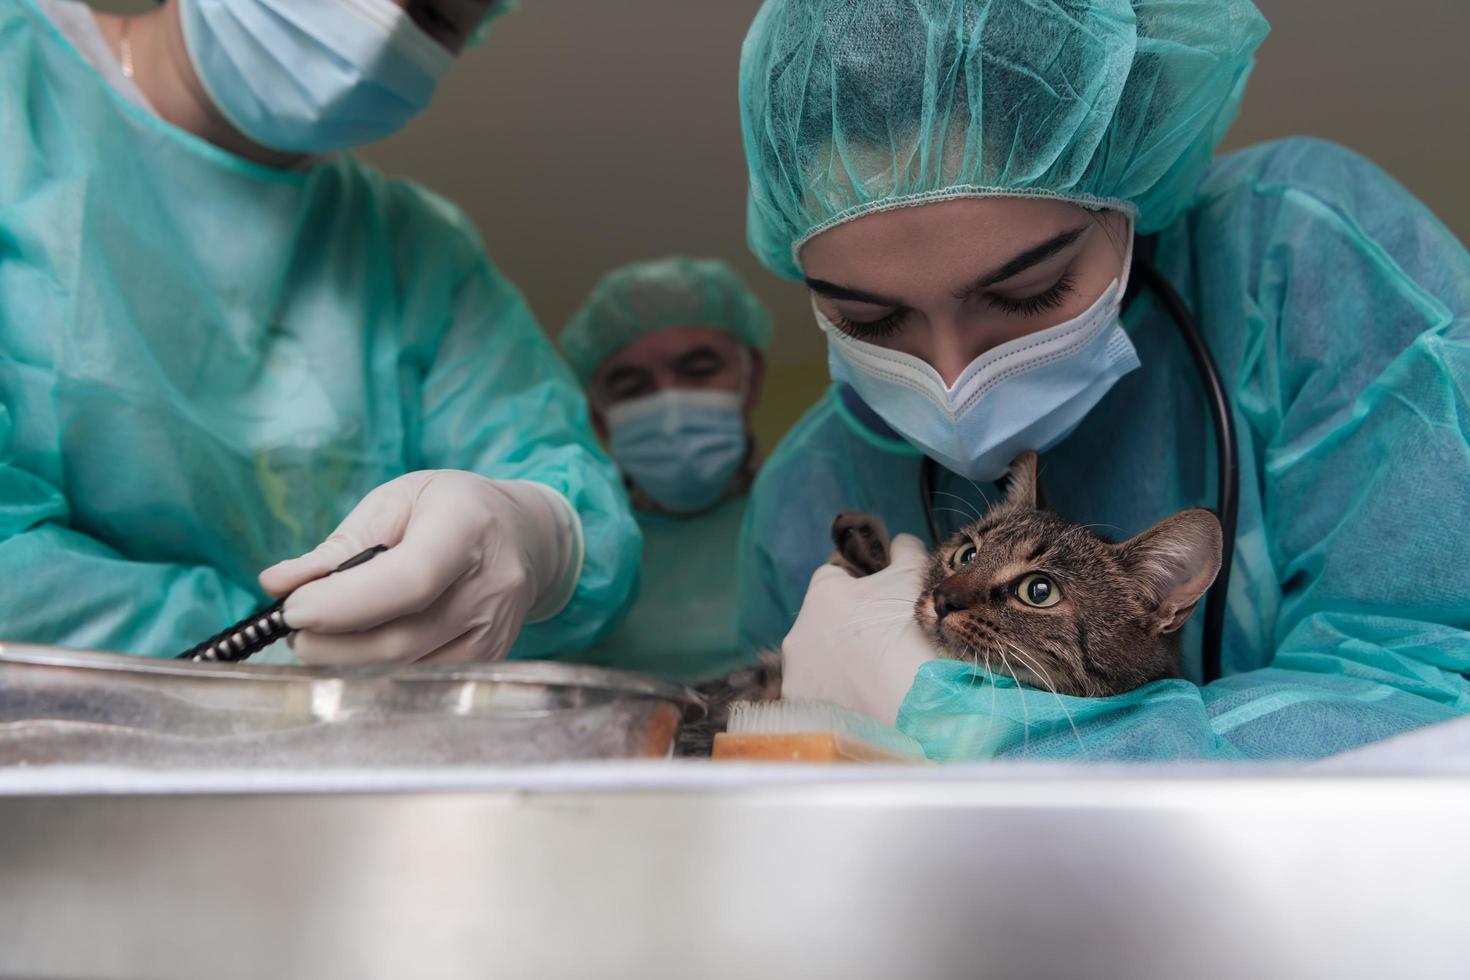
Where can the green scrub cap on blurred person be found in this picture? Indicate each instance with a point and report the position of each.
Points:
(855, 106)
(645, 297)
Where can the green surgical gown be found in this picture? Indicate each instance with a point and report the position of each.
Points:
(1338, 310)
(205, 364)
(683, 625)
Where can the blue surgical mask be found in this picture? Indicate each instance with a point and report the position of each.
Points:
(311, 76)
(680, 447)
(1029, 393)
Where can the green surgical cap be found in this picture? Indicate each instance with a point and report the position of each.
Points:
(855, 106)
(645, 297)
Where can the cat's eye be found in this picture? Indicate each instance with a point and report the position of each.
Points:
(1038, 590)
(964, 556)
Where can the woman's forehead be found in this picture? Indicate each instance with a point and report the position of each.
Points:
(906, 246)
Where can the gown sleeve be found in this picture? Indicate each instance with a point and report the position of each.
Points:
(60, 586)
(763, 594)
(498, 400)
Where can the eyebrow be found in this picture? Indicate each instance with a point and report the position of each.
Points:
(833, 291)
(620, 375)
(694, 357)
(1032, 256)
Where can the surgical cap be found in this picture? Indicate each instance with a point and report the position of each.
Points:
(854, 106)
(645, 297)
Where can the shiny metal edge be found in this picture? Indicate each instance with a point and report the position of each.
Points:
(546, 673)
(997, 783)
(1230, 880)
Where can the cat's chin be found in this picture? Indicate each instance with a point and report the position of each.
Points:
(948, 645)
(952, 649)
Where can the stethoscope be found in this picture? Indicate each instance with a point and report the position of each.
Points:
(1144, 273)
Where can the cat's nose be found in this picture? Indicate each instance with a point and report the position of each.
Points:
(947, 600)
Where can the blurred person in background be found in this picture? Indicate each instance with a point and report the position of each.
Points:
(672, 353)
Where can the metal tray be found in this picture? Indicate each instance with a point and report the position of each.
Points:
(61, 706)
(694, 870)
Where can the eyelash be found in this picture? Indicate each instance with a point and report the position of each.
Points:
(1027, 306)
(1032, 305)
(871, 329)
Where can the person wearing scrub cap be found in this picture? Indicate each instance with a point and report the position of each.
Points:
(671, 352)
(969, 190)
(227, 345)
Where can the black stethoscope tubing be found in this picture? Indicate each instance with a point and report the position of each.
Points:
(1227, 460)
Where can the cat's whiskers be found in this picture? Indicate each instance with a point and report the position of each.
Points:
(990, 715)
(974, 679)
(977, 489)
(1020, 693)
(974, 511)
(950, 510)
(994, 695)
(880, 620)
(1110, 527)
(1040, 674)
(884, 623)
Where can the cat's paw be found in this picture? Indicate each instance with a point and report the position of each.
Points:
(769, 666)
(861, 541)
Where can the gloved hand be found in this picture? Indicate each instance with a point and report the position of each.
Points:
(469, 561)
(855, 642)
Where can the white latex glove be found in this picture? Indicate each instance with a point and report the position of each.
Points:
(855, 642)
(469, 561)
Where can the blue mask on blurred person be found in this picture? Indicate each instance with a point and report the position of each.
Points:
(680, 447)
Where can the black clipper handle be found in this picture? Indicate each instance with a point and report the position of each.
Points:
(256, 632)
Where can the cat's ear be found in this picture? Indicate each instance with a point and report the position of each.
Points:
(1022, 484)
(1175, 562)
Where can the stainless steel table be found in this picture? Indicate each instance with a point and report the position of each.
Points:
(701, 870)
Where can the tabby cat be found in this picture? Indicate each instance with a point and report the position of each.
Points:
(1026, 593)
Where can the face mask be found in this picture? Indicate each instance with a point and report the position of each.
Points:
(312, 75)
(681, 447)
(1029, 393)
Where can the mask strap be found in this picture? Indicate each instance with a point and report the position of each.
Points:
(1127, 272)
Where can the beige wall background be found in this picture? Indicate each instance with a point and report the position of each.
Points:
(585, 134)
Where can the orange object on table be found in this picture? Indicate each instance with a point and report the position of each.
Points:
(802, 747)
